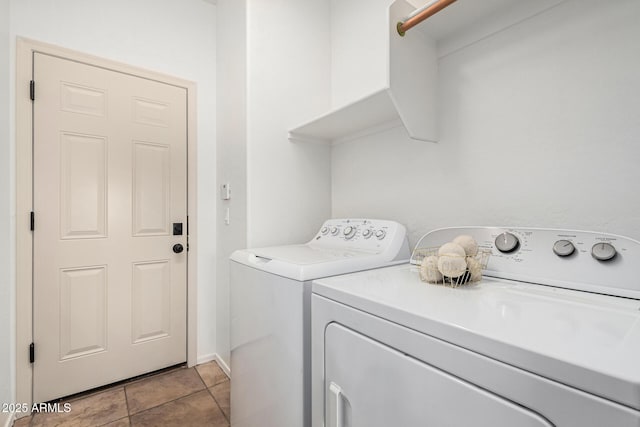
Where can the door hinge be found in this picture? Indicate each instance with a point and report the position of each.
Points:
(32, 90)
(32, 353)
(32, 221)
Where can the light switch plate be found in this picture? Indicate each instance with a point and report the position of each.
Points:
(225, 190)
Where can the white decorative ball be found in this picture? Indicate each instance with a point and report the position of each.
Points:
(451, 249)
(452, 265)
(468, 243)
(429, 270)
(475, 269)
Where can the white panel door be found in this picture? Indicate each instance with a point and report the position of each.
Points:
(368, 384)
(109, 182)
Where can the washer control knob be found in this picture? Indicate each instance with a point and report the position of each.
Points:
(367, 233)
(380, 234)
(563, 248)
(349, 231)
(603, 251)
(324, 230)
(507, 242)
(334, 231)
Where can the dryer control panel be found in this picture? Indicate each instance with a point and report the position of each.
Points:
(583, 260)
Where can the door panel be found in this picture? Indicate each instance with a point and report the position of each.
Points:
(83, 309)
(109, 181)
(84, 100)
(83, 186)
(151, 300)
(368, 384)
(151, 189)
(151, 112)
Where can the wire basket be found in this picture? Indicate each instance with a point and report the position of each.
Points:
(461, 270)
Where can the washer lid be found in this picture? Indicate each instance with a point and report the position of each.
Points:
(306, 262)
(588, 341)
(306, 254)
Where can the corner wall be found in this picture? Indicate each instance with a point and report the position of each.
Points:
(539, 127)
(232, 155)
(280, 191)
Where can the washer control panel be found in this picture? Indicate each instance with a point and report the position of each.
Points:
(583, 260)
(360, 234)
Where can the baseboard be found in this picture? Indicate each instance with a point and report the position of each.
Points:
(6, 419)
(215, 356)
(225, 368)
(206, 358)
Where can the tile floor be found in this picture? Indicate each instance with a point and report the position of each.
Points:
(178, 397)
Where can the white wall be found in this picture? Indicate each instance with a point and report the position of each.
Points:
(176, 38)
(285, 194)
(232, 153)
(270, 81)
(539, 127)
(7, 290)
(289, 184)
(359, 49)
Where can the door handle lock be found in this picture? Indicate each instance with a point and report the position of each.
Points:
(177, 248)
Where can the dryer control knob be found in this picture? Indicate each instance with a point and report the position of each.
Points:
(334, 231)
(324, 230)
(367, 233)
(507, 242)
(603, 251)
(563, 248)
(380, 234)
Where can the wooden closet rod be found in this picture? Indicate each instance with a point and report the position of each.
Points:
(420, 15)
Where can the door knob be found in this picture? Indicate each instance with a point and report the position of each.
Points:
(177, 248)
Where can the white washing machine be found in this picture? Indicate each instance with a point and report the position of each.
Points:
(270, 319)
(549, 337)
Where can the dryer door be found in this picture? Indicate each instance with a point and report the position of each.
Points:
(368, 384)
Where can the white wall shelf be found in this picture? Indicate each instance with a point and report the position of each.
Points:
(409, 93)
(372, 111)
(411, 63)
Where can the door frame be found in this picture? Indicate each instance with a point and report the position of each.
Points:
(24, 198)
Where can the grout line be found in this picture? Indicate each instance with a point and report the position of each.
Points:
(195, 368)
(172, 400)
(126, 401)
(218, 404)
(168, 401)
(226, 377)
(119, 419)
(175, 400)
(164, 403)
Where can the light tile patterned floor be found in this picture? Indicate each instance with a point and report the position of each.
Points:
(179, 397)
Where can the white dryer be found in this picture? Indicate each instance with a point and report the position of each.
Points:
(270, 295)
(549, 337)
